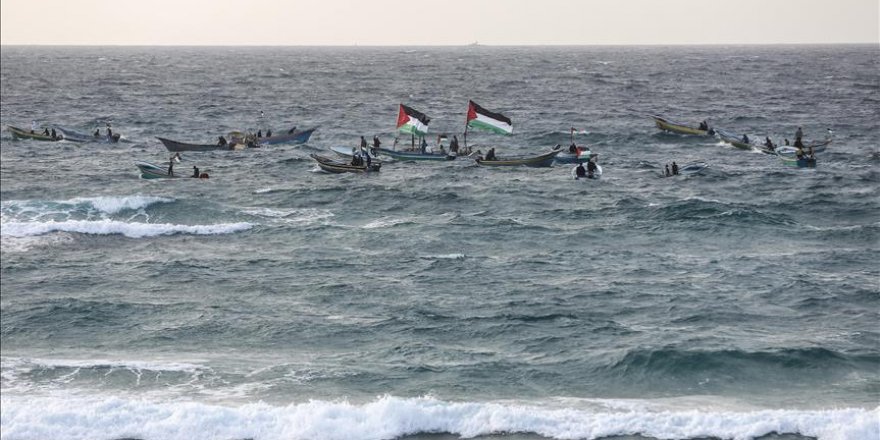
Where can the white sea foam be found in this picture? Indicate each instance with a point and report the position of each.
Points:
(105, 204)
(386, 222)
(73, 417)
(112, 227)
(303, 216)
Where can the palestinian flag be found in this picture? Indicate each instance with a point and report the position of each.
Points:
(412, 121)
(478, 117)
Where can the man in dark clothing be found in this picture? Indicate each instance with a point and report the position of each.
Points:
(674, 169)
(221, 141)
(54, 134)
(269, 133)
(490, 155)
(591, 169)
(667, 171)
(195, 172)
(580, 171)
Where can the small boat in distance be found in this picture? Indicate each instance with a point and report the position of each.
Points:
(736, 141)
(336, 167)
(19, 133)
(674, 127)
(153, 171)
(75, 136)
(542, 160)
(293, 136)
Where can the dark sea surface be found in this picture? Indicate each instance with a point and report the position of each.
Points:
(441, 300)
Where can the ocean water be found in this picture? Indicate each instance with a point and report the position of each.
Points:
(440, 300)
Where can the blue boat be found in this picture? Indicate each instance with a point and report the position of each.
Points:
(293, 136)
(414, 155)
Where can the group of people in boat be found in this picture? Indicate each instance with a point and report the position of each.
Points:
(704, 125)
(175, 158)
(673, 171)
(588, 172)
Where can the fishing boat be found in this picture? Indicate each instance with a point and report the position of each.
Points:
(582, 155)
(415, 155)
(736, 141)
(596, 174)
(333, 166)
(349, 153)
(787, 150)
(415, 123)
(19, 133)
(674, 127)
(543, 160)
(75, 136)
(153, 171)
(688, 169)
(805, 162)
(175, 146)
(293, 136)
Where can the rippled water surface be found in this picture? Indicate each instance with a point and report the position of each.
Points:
(276, 301)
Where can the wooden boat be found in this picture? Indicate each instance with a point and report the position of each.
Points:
(583, 155)
(596, 174)
(543, 160)
(19, 133)
(667, 125)
(175, 146)
(736, 141)
(75, 136)
(805, 162)
(291, 137)
(347, 153)
(787, 150)
(414, 155)
(333, 166)
(153, 171)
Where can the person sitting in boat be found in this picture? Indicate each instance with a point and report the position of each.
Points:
(259, 133)
(269, 133)
(424, 146)
(221, 141)
(97, 132)
(573, 148)
(591, 169)
(667, 171)
(196, 173)
(490, 155)
(54, 134)
(704, 125)
(812, 154)
(786, 142)
(674, 168)
(580, 172)
(356, 160)
(800, 151)
(745, 139)
(769, 144)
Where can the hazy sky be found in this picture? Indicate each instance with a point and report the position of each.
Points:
(437, 22)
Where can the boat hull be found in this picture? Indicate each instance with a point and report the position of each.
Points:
(414, 155)
(153, 171)
(665, 125)
(74, 136)
(571, 158)
(336, 167)
(544, 160)
(297, 137)
(176, 147)
(19, 133)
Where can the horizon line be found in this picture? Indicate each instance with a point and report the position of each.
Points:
(842, 43)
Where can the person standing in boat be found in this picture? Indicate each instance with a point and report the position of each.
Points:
(109, 131)
(269, 133)
(668, 174)
(174, 157)
(674, 168)
(745, 139)
(799, 135)
(45, 132)
(54, 134)
(376, 144)
(769, 144)
(196, 173)
(453, 145)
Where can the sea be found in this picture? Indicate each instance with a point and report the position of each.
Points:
(440, 300)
